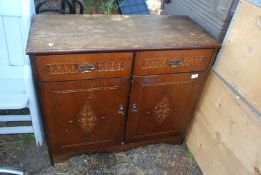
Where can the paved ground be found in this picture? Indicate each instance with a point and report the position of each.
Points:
(160, 159)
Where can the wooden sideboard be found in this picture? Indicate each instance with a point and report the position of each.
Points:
(111, 83)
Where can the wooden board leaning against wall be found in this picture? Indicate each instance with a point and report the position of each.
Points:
(225, 136)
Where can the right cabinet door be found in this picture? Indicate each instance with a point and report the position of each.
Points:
(162, 105)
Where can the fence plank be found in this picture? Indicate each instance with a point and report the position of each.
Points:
(14, 118)
(16, 130)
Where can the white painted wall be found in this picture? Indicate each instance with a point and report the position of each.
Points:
(15, 21)
(16, 80)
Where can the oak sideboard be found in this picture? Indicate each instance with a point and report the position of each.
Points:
(112, 83)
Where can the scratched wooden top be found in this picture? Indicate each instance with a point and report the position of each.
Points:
(85, 33)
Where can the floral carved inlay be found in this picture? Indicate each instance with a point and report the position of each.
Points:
(164, 62)
(87, 119)
(59, 68)
(163, 109)
(70, 68)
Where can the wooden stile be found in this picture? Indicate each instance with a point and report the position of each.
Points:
(240, 59)
(225, 136)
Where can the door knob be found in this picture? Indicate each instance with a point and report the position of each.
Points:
(121, 109)
(134, 108)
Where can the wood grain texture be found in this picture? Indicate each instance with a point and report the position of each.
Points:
(164, 103)
(212, 15)
(225, 137)
(86, 111)
(58, 157)
(68, 67)
(81, 33)
(239, 61)
(172, 61)
(82, 115)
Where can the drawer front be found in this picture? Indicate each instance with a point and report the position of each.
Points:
(160, 62)
(83, 66)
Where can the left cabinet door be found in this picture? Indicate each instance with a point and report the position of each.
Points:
(84, 115)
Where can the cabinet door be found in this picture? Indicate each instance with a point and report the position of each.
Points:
(162, 105)
(82, 115)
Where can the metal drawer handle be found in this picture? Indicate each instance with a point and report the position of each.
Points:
(134, 108)
(174, 62)
(86, 68)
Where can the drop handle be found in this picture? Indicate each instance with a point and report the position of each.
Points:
(174, 62)
(86, 68)
(134, 108)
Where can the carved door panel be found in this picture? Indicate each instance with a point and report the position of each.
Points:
(162, 105)
(85, 114)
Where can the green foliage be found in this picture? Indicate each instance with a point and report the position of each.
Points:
(100, 6)
(108, 6)
(25, 138)
(90, 6)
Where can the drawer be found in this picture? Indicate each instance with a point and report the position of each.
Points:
(160, 62)
(83, 66)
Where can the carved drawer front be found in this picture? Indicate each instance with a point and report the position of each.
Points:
(159, 62)
(83, 66)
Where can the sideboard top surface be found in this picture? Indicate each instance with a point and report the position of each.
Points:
(94, 33)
